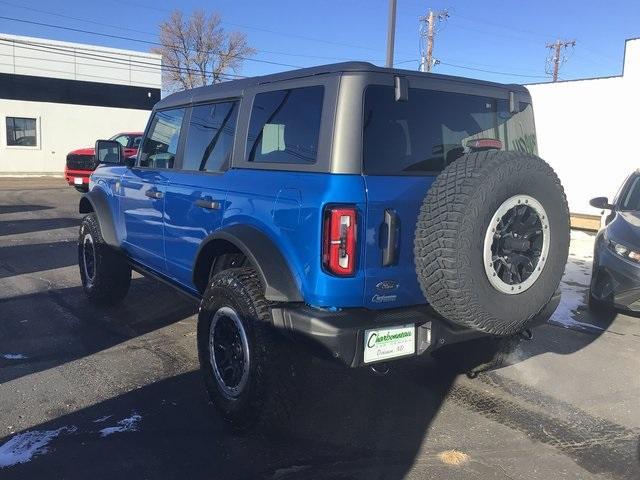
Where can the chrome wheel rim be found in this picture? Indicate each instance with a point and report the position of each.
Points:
(229, 352)
(88, 258)
(516, 244)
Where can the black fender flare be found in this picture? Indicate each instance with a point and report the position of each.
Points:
(96, 201)
(273, 269)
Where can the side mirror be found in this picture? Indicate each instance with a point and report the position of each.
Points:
(130, 162)
(601, 203)
(109, 152)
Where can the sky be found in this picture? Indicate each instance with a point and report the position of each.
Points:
(501, 41)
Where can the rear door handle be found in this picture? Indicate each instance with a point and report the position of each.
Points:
(208, 204)
(153, 194)
(389, 252)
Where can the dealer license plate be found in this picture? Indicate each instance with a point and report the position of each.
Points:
(385, 343)
(77, 180)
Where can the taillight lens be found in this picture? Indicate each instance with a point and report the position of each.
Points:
(339, 240)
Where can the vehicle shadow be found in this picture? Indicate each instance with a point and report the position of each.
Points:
(23, 208)
(349, 424)
(37, 257)
(29, 225)
(361, 427)
(75, 328)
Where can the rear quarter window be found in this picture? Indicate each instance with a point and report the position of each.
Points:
(424, 134)
(285, 126)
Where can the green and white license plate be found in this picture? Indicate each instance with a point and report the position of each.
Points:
(385, 343)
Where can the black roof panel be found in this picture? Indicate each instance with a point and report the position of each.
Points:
(235, 87)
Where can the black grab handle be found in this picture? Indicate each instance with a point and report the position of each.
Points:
(389, 252)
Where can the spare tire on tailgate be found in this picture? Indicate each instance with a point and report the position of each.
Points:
(492, 240)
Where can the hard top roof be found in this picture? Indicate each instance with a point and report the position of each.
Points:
(235, 87)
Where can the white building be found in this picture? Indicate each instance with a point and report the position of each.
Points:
(588, 130)
(56, 97)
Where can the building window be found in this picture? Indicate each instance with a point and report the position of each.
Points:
(22, 132)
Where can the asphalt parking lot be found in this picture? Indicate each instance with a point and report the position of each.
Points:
(116, 393)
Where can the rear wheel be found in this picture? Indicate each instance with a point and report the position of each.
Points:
(492, 240)
(250, 371)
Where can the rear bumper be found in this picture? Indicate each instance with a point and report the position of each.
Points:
(339, 335)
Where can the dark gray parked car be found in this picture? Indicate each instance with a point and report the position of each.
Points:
(616, 261)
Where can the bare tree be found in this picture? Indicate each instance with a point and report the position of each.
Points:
(198, 51)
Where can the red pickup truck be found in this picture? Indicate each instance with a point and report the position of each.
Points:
(81, 163)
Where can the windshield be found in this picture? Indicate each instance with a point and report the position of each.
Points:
(631, 200)
(423, 135)
(127, 141)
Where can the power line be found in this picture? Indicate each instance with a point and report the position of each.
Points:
(93, 22)
(440, 62)
(90, 54)
(131, 39)
(259, 29)
(69, 17)
(100, 58)
(148, 66)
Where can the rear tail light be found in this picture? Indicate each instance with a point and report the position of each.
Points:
(339, 240)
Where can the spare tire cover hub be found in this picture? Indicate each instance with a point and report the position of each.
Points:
(516, 244)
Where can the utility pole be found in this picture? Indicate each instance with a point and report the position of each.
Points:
(391, 32)
(557, 57)
(428, 31)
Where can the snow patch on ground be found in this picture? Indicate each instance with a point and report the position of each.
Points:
(129, 424)
(24, 446)
(14, 356)
(575, 283)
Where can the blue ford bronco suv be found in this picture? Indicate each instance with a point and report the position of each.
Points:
(361, 213)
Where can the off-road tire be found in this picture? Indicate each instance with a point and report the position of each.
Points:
(450, 235)
(276, 367)
(111, 272)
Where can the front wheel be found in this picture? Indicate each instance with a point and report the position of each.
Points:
(105, 274)
(250, 371)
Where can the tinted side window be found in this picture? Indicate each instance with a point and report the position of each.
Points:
(210, 137)
(424, 134)
(285, 126)
(161, 143)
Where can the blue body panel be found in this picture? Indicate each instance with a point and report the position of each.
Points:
(186, 224)
(288, 208)
(404, 196)
(143, 233)
(164, 234)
